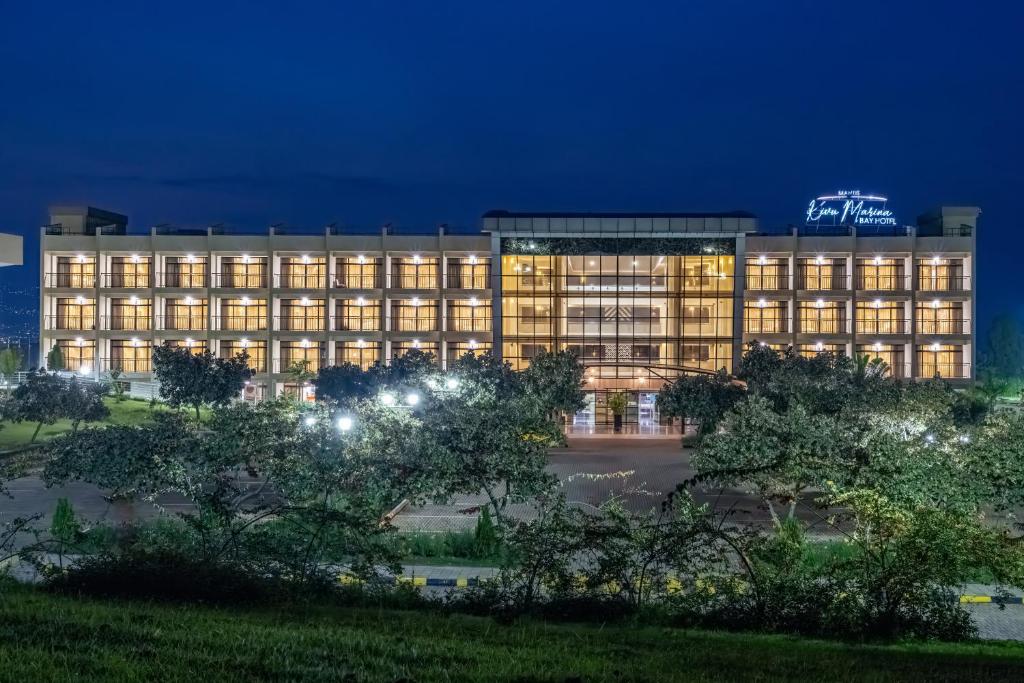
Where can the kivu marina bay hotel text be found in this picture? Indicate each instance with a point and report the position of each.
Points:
(641, 297)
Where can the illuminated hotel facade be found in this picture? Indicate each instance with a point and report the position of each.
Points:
(640, 298)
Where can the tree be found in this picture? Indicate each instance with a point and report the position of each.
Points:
(83, 402)
(64, 528)
(703, 398)
(344, 383)
(198, 379)
(1003, 353)
(556, 378)
(40, 398)
(10, 362)
(55, 359)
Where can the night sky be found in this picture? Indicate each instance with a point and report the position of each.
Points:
(416, 114)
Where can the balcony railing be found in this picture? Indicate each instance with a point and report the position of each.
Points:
(356, 324)
(360, 281)
(127, 365)
(70, 322)
(300, 281)
(883, 283)
(766, 325)
(958, 327)
(767, 283)
(285, 363)
(240, 323)
(182, 323)
(286, 323)
(69, 280)
(466, 324)
(823, 283)
(126, 322)
(240, 280)
(406, 324)
(824, 327)
(399, 281)
(944, 370)
(883, 326)
(183, 280)
(947, 283)
(126, 280)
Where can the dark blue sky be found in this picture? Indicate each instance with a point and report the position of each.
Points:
(420, 113)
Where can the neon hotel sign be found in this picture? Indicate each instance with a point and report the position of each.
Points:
(850, 207)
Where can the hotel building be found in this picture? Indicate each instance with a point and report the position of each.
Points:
(640, 297)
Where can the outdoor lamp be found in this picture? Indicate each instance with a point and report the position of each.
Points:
(344, 423)
(310, 421)
(388, 399)
(412, 399)
(451, 383)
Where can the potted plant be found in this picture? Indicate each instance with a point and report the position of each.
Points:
(617, 403)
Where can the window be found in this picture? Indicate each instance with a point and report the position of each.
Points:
(414, 272)
(79, 354)
(185, 271)
(303, 272)
(469, 272)
(765, 317)
(941, 317)
(131, 314)
(301, 315)
(400, 348)
(413, 316)
(358, 272)
(243, 272)
(76, 313)
(941, 360)
(360, 352)
(255, 349)
(469, 316)
(130, 355)
(881, 274)
(695, 353)
(881, 317)
(763, 273)
(129, 272)
(185, 314)
(304, 355)
(357, 315)
(457, 350)
(195, 346)
(890, 354)
(243, 315)
(76, 272)
(941, 275)
(822, 317)
(822, 273)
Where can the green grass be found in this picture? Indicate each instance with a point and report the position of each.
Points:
(51, 638)
(130, 411)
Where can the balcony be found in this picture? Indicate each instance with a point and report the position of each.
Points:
(300, 281)
(70, 280)
(834, 283)
(943, 327)
(883, 283)
(240, 280)
(943, 283)
(71, 323)
(767, 283)
(884, 326)
(126, 322)
(411, 324)
(127, 365)
(183, 323)
(399, 281)
(285, 363)
(126, 280)
(944, 370)
(287, 323)
(240, 323)
(356, 324)
(358, 281)
(183, 280)
(766, 325)
(468, 324)
(824, 327)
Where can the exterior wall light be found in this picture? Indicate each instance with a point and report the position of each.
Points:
(761, 303)
(819, 347)
(820, 303)
(878, 260)
(305, 258)
(190, 342)
(80, 258)
(304, 301)
(135, 258)
(134, 300)
(935, 346)
(877, 303)
(473, 301)
(305, 343)
(244, 343)
(135, 341)
(79, 300)
(79, 341)
(189, 301)
(361, 259)
(472, 259)
(819, 259)
(361, 343)
(935, 303)
(762, 260)
(191, 258)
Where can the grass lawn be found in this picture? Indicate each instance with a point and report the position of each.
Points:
(127, 412)
(49, 638)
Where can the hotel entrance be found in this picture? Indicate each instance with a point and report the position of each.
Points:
(641, 410)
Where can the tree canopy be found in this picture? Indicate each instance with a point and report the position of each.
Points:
(198, 379)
